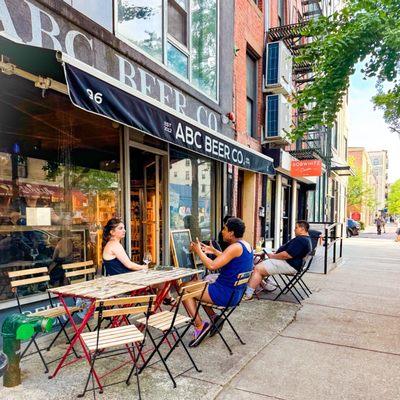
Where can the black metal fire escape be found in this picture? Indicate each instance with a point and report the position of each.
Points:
(313, 143)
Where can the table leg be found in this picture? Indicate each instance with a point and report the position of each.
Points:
(162, 293)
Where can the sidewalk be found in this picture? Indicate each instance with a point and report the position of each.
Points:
(344, 343)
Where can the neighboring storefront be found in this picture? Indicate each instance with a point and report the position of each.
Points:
(126, 142)
(290, 194)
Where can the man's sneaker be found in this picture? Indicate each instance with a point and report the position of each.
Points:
(218, 324)
(268, 286)
(200, 334)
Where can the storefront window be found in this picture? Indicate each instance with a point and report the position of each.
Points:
(191, 201)
(310, 205)
(268, 209)
(59, 180)
(100, 11)
(177, 60)
(140, 21)
(204, 45)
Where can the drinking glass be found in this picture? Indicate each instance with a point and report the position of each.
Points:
(147, 258)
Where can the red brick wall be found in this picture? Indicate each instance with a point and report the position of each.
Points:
(248, 34)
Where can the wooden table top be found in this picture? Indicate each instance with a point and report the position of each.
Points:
(110, 286)
(100, 288)
(154, 276)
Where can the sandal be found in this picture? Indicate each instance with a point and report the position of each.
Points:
(169, 301)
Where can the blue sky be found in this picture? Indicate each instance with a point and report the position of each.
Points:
(366, 125)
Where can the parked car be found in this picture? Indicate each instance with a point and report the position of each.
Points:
(352, 227)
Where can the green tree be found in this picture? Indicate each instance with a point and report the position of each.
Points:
(394, 198)
(359, 191)
(366, 31)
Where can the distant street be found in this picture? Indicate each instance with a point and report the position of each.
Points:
(370, 232)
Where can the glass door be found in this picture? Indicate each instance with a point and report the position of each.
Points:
(146, 205)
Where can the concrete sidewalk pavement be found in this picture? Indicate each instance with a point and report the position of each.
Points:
(344, 343)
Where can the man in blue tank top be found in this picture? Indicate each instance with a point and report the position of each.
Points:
(235, 259)
(288, 259)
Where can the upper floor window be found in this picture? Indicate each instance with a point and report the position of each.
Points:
(251, 93)
(141, 22)
(100, 11)
(184, 37)
(281, 12)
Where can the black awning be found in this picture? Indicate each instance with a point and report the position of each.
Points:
(114, 101)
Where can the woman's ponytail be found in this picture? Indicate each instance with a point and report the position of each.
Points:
(110, 225)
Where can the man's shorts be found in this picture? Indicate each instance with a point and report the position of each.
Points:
(275, 267)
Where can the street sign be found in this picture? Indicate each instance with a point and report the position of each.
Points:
(306, 168)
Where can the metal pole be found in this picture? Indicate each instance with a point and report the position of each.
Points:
(326, 252)
(341, 241)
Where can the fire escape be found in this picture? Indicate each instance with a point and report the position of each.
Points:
(313, 144)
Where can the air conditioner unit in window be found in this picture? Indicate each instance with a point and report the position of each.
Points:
(278, 74)
(278, 119)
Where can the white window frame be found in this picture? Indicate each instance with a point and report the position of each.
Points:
(167, 37)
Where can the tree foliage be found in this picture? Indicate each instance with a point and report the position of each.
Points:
(366, 31)
(394, 198)
(359, 191)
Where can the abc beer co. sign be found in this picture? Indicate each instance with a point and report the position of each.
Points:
(306, 168)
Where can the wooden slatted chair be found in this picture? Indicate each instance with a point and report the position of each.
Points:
(224, 312)
(102, 341)
(33, 276)
(83, 270)
(171, 322)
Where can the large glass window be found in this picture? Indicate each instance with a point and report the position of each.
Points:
(188, 36)
(191, 200)
(140, 21)
(100, 11)
(59, 182)
(204, 45)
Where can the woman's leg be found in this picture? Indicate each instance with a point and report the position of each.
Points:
(191, 307)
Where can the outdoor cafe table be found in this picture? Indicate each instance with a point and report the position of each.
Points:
(111, 286)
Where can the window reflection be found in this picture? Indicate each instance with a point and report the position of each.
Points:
(204, 45)
(100, 11)
(140, 21)
(177, 60)
(191, 199)
(59, 179)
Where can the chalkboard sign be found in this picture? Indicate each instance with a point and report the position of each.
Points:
(180, 245)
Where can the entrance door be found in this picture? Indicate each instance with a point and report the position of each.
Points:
(146, 205)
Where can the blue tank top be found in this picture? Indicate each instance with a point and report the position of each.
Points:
(115, 267)
(229, 272)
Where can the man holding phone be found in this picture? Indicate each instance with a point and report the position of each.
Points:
(288, 259)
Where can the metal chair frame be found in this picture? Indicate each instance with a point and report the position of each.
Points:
(224, 312)
(115, 308)
(24, 281)
(290, 281)
(178, 329)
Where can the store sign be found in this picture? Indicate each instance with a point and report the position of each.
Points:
(31, 23)
(306, 168)
(95, 95)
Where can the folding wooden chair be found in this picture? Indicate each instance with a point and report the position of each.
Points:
(32, 276)
(81, 270)
(224, 312)
(171, 322)
(100, 341)
(290, 281)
